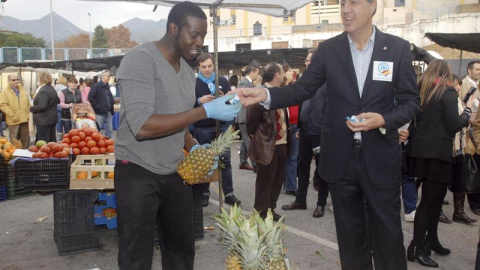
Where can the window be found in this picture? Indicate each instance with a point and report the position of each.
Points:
(399, 3)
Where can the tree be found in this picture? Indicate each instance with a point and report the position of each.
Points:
(120, 37)
(20, 40)
(81, 40)
(100, 39)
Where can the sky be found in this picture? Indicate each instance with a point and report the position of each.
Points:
(107, 14)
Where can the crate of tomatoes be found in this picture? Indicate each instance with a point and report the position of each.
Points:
(88, 141)
(92, 172)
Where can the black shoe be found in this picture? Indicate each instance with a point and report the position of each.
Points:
(319, 212)
(205, 200)
(445, 202)
(294, 206)
(444, 219)
(463, 218)
(438, 248)
(415, 253)
(276, 217)
(232, 200)
(476, 211)
(291, 192)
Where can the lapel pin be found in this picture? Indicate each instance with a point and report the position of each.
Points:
(385, 48)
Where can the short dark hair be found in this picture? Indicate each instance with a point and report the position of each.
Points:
(456, 77)
(249, 68)
(233, 81)
(72, 80)
(203, 57)
(470, 65)
(179, 13)
(270, 70)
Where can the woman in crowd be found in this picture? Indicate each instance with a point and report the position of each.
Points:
(430, 150)
(462, 143)
(290, 185)
(68, 97)
(44, 108)
(86, 90)
(233, 81)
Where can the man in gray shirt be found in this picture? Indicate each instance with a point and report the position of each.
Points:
(158, 93)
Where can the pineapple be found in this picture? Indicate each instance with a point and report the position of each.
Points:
(274, 241)
(196, 165)
(229, 225)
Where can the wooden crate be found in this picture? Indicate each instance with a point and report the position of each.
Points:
(92, 164)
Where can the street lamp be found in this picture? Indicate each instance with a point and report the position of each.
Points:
(51, 31)
(90, 35)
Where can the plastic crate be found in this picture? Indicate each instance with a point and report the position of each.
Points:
(3, 171)
(74, 199)
(3, 193)
(73, 214)
(16, 193)
(74, 243)
(98, 168)
(43, 173)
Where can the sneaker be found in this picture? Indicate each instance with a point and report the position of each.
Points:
(232, 200)
(410, 217)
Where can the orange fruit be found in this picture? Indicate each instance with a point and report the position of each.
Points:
(82, 175)
(95, 174)
(110, 175)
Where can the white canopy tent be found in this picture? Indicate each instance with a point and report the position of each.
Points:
(274, 8)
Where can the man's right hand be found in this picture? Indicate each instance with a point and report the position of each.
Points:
(206, 99)
(249, 96)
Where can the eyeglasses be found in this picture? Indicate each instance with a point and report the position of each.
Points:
(15, 80)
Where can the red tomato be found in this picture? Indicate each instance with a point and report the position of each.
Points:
(85, 151)
(89, 132)
(109, 142)
(74, 132)
(58, 154)
(75, 139)
(73, 145)
(45, 149)
(57, 148)
(110, 149)
(42, 154)
(103, 150)
(91, 144)
(96, 136)
(66, 140)
(87, 139)
(101, 143)
(94, 151)
(64, 145)
(82, 135)
(76, 151)
(82, 144)
(66, 136)
(33, 149)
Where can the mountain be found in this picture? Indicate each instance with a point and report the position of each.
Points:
(40, 28)
(146, 30)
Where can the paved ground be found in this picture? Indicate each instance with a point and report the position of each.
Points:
(311, 243)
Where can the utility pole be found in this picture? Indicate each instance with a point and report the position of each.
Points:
(51, 31)
(90, 34)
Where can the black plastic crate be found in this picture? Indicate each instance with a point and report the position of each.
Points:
(43, 173)
(16, 193)
(73, 214)
(3, 171)
(74, 243)
(3, 193)
(74, 198)
(74, 227)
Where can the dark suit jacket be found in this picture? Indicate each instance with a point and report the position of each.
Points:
(261, 126)
(435, 128)
(242, 115)
(44, 107)
(333, 64)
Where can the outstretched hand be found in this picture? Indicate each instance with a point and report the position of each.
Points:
(249, 96)
(371, 121)
(220, 110)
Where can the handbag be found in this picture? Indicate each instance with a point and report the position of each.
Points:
(466, 178)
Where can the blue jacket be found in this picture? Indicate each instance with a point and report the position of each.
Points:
(101, 98)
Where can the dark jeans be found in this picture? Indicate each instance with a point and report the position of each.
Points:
(367, 220)
(305, 155)
(206, 135)
(292, 161)
(67, 125)
(428, 211)
(270, 179)
(146, 199)
(409, 194)
(46, 133)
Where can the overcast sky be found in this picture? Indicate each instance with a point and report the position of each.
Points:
(107, 14)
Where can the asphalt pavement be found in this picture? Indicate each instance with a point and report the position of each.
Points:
(311, 243)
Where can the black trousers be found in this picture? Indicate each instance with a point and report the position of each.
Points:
(305, 154)
(425, 227)
(146, 199)
(270, 179)
(46, 133)
(367, 220)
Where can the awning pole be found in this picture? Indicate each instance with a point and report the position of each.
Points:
(460, 65)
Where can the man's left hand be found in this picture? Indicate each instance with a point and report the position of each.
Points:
(372, 121)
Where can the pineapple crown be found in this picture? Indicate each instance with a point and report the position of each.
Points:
(224, 140)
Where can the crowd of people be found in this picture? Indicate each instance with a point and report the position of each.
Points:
(47, 112)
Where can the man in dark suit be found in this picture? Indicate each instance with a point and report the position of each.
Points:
(251, 74)
(366, 70)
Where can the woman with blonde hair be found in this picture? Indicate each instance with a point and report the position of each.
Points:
(44, 108)
(430, 150)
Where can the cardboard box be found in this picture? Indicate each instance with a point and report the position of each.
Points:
(92, 172)
(106, 210)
